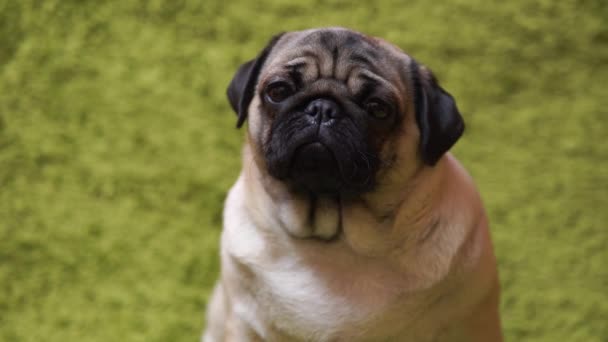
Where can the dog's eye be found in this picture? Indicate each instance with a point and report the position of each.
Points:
(278, 92)
(377, 109)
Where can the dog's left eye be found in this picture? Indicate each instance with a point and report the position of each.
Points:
(278, 92)
(377, 109)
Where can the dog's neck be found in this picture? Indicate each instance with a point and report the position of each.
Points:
(395, 214)
(372, 224)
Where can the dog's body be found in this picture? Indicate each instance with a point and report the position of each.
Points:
(399, 252)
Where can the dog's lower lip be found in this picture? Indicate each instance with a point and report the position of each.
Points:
(314, 168)
(317, 150)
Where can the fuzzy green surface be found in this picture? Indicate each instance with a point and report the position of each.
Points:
(117, 147)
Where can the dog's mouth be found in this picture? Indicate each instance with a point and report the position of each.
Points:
(314, 168)
(320, 159)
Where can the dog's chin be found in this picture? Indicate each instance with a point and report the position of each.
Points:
(314, 169)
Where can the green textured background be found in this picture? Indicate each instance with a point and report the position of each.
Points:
(117, 147)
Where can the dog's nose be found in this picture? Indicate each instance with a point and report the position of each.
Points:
(323, 110)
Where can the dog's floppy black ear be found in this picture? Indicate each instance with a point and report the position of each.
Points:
(241, 89)
(438, 119)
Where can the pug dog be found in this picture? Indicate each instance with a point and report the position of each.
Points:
(350, 220)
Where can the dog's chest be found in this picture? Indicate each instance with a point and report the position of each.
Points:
(319, 294)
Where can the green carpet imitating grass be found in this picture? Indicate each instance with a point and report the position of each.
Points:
(117, 147)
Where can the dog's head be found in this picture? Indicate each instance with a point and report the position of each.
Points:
(331, 109)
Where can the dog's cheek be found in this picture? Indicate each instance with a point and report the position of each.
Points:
(399, 155)
(388, 154)
(407, 150)
(256, 127)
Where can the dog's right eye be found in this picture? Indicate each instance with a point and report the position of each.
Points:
(278, 92)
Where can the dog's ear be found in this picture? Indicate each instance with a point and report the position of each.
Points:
(242, 87)
(438, 119)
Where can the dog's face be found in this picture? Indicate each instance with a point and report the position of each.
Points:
(330, 110)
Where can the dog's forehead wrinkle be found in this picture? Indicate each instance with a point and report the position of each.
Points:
(370, 76)
(362, 58)
(297, 62)
(328, 86)
(331, 45)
